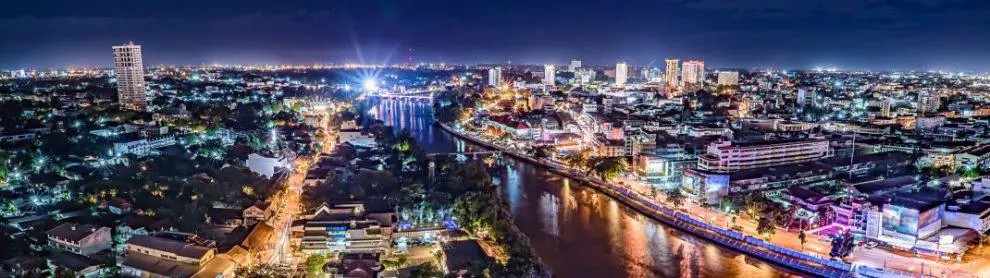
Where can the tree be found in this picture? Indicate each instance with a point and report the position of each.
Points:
(61, 272)
(576, 160)
(263, 271)
(675, 196)
(314, 264)
(803, 238)
(972, 173)
(395, 263)
(427, 270)
(765, 226)
(542, 151)
(474, 212)
(610, 168)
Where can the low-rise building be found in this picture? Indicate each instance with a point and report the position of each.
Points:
(609, 147)
(142, 146)
(973, 158)
(151, 256)
(726, 156)
(711, 187)
(257, 212)
(170, 249)
(344, 229)
(79, 265)
(457, 256)
(77, 238)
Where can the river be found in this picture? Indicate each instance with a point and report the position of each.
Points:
(579, 232)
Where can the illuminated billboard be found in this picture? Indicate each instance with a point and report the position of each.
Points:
(900, 222)
(930, 222)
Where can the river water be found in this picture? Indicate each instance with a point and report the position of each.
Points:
(579, 232)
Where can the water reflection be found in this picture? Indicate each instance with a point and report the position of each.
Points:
(579, 232)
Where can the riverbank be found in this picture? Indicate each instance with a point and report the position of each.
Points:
(728, 238)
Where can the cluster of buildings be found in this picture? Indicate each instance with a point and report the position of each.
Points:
(92, 161)
(858, 152)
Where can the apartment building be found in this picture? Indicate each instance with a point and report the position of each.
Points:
(726, 156)
(81, 239)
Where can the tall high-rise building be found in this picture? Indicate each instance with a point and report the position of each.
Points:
(621, 74)
(586, 75)
(728, 78)
(928, 101)
(495, 77)
(129, 69)
(806, 97)
(574, 66)
(693, 72)
(673, 71)
(885, 104)
(549, 74)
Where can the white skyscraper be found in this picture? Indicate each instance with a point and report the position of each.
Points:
(574, 66)
(693, 72)
(728, 78)
(928, 101)
(129, 69)
(672, 73)
(621, 74)
(549, 74)
(586, 75)
(495, 77)
(806, 97)
(885, 107)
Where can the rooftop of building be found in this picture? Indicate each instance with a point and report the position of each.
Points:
(357, 265)
(72, 231)
(874, 186)
(976, 207)
(777, 142)
(921, 200)
(874, 157)
(162, 267)
(780, 170)
(168, 245)
(978, 150)
(72, 261)
(460, 254)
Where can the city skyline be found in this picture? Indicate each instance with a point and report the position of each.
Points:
(881, 35)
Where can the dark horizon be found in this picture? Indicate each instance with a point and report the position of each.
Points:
(876, 35)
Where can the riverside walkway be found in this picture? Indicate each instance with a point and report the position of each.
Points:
(750, 245)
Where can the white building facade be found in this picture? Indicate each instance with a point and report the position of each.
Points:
(728, 78)
(621, 74)
(129, 69)
(549, 74)
(495, 77)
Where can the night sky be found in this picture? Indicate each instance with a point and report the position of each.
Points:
(791, 34)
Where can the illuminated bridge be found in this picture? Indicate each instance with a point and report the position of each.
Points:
(475, 154)
(415, 95)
